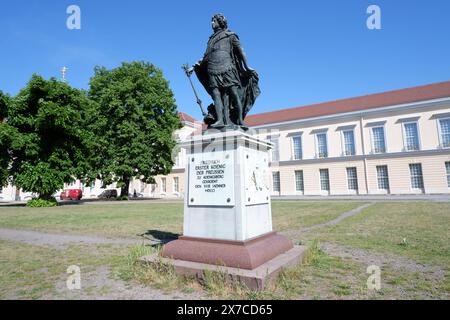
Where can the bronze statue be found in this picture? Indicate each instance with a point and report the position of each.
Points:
(227, 77)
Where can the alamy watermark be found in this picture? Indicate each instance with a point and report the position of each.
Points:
(73, 22)
(374, 20)
(374, 280)
(73, 281)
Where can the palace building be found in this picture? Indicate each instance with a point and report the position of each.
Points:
(395, 142)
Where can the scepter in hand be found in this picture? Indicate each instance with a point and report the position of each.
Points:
(188, 70)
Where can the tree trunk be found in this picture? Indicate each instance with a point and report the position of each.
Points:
(125, 187)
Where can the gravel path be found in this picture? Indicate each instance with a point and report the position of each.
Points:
(345, 215)
(396, 262)
(62, 240)
(99, 285)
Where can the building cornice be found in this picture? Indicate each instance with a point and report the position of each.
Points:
(442, 102)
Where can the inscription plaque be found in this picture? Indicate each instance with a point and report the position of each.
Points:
(211, 179)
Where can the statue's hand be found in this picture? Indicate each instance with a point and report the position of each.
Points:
(190, 71)
(197, 64)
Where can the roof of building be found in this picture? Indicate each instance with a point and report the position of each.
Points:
(184, 117)
(372, 101)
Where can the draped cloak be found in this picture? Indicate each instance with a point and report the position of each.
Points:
(248, 88)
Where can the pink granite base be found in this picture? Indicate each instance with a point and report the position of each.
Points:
(248, 254)
(256, 279)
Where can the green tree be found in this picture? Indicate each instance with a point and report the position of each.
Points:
(136, 119)
(6, 138)
(51, 144)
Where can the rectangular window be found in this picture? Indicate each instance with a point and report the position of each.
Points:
(352, 179)
(163, 185)
(349, 143)
(444, 125)
(1, 189)
(299, 184)
(447, 168)
(276, 181)
(276, 149)
(379, 143)
(411, 136)
(297, 146)
(322, 147)
(176, 184)
(383, 177)
(324, 180)
(415, 170)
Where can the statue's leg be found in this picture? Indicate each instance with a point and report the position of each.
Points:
(237, 102)
(226, 108)
(216, 96)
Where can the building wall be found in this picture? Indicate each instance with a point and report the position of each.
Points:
(431, 154)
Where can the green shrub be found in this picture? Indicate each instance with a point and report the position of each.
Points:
(122, 198)
(41, 203)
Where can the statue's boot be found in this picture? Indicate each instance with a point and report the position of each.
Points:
(242, 124)
(218, 124)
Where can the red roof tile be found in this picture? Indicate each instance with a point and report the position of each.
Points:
(185, 117)
(390, 98)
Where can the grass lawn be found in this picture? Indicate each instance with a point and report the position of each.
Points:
(128, 220)
(419, 230)
(300, 214)
(36, 272)
(109, 220)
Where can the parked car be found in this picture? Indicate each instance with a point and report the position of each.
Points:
(72, 194)
(108, 194)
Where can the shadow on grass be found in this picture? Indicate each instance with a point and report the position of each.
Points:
(161, 236)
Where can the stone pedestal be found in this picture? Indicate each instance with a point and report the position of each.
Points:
(227, 207)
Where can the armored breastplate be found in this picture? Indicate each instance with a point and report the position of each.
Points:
(219, 54)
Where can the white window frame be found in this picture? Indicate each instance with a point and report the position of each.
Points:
(325, 192)
(373, 139)
(404, 123)
(176, 184)
(352, 191)
(317, 144)
(295, 181)
(279, 182)
(441, 143)
(447, 173)
(343, 143)
(416, 190)
(388, 190)
(293, 148)
(276, 142)
(163, 184)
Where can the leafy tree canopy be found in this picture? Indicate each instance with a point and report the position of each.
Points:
(6, 134)
(51, 145)
(4, 102)
(136, 119)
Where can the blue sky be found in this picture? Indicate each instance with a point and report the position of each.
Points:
(305, 51)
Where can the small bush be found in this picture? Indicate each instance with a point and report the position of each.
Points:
(122, 198)
(41, 203)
